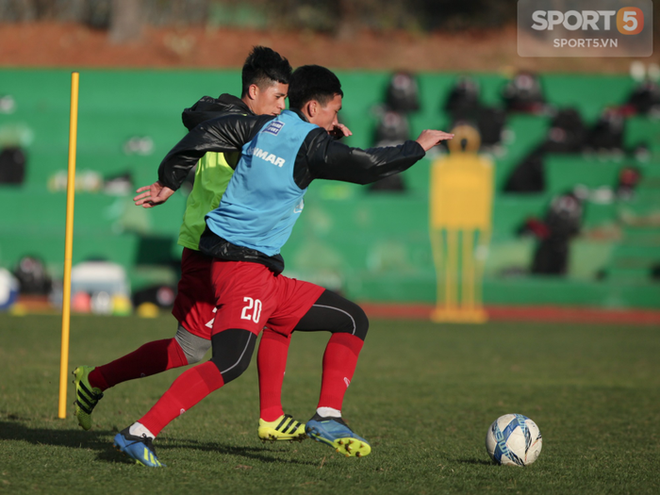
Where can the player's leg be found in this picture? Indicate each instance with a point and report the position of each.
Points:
(272, 356)
(271, 365)
(349, 325)
(151, 358)
(232, 352)
(274, 425)
(194, 308)
(292, 298)
(242, 287)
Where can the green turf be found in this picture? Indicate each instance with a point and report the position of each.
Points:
(424, 396)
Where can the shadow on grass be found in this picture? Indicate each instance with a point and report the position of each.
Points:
(476, 462)
(255, 453)
(15, 430)
(99, 440)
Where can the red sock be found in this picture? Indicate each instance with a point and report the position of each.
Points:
(153, 357)
(186, 391)
(339, 362)
(271, 363)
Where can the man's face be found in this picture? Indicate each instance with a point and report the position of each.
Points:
(326, 116)
(271, 100)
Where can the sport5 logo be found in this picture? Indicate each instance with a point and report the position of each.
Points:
(630, 20)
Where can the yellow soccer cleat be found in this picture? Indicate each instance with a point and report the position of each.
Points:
(284, 428)
(86, 396)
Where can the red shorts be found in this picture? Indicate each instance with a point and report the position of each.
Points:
(194, 306)
(249, 296)
(247, 284)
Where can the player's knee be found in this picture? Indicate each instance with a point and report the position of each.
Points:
(232, 352)
(355, 322)
(344, 316)
(361, 323)
(235, 371)
(194, 347)
(196, 355)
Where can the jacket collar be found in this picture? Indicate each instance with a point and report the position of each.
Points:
(299, 114)
(234, 103)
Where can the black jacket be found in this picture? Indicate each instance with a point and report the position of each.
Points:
(320, 157)
(208, 108)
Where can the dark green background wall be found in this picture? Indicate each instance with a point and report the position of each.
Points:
(372, 246)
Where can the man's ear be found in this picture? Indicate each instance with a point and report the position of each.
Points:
(312, 108)
(253, 91)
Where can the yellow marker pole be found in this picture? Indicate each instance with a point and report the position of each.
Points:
(68, 245)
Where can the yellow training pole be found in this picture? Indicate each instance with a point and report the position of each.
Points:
(68, 244)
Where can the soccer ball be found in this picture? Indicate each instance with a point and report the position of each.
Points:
(514, 440)
(9, 289)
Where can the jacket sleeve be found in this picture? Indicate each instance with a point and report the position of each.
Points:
(330, 159)
(222, 134)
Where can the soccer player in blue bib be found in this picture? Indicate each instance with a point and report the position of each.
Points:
(280, 157)
(265, 83)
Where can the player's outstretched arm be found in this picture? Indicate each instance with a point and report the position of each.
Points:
(222, 134)
(328, 159)
(152, 195)
(429, 138)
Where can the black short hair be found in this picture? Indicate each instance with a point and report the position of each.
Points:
(313, 82)
(264, 67)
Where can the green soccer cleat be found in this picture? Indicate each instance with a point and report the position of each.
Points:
(284, 428)
(141, 449)
(86, 396)
(335, 433)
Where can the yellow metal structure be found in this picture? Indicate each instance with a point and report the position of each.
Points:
(68, 244)
(461, 199)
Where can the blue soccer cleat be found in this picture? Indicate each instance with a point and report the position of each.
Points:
(335, 433)
(141, 449)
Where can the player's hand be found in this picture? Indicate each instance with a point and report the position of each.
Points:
(339, 131)
(153, 195)
(429, 138)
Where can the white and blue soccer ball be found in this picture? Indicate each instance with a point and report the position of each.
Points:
(9, 288)
(514, 440)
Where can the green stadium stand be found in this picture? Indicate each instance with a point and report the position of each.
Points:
(370, 245)
(641, 129)
(590, 94)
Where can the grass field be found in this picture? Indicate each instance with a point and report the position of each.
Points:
(423, 395)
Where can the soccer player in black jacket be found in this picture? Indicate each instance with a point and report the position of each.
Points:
(280, 156)
(265, 82)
